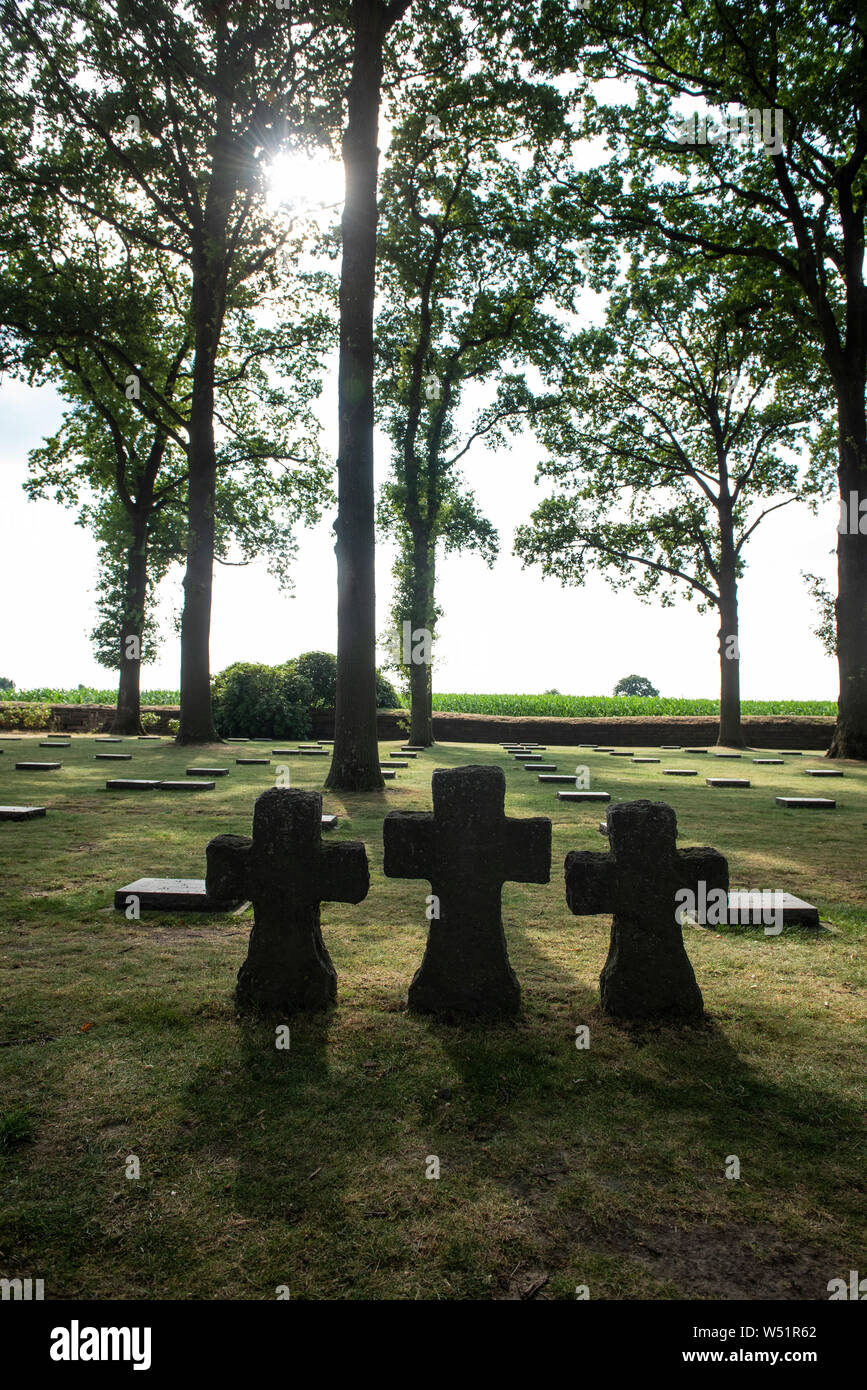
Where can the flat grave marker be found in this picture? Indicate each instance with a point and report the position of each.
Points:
(823, 772)
(207, 772)
(679, 772)
(112, 757)
(132, 784)
(252, 762)
(21, 812)
(171, 895)
(37, 767)
(540, 767)
(198, 785)
(769, 762)
(646, 760)
(583, 796)
(806, 803)
(726, 781)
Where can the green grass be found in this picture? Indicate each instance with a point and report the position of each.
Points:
(610, 706)
(306, 1167)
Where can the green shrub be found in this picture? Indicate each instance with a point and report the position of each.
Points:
(320, 669)
(24, 716)
(149, 721)
(251, 700)
(173, 727)
(386, 695)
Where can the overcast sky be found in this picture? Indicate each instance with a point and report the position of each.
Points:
(504, 629)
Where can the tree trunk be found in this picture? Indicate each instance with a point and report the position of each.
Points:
(730, 732)
(850, 734)
(421, 616)
(196, 722)
(127, 718)
(355, 766)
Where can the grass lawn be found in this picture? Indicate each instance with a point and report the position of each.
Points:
(306, 1167)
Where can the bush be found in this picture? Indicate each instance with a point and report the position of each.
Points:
(251, 700)
(174, 726)
(320, 669)
(386, 695)
(25, 716)
(149, 721)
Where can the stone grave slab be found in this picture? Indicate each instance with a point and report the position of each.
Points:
(329, 821)
(726, 781)
(21, 812)
(149, 738)
(239, 740)
(583, 796)
(396, 762)
(286, 872)
(806, 803)
(695, 751)
(597, 748)
(37, 767)
(769, 762)
(646, 760)
(622, 753)
(207, 772)
(389, 773)
(679, 772)
(277, 753)
(403, 754)
(648, 973)
(11, 738)
(112, 739)
(412, 748)
(745, 906)
(528, 757)
(314, 752)
(54, 743)
(252, 762)
(198, 785)
(602, 827)
(728, 755)
(467, 848)
(171, 895)
(112, 757)
(670, 748)
(131, 784)
(566, 778)
(540, 767)
(823, 772)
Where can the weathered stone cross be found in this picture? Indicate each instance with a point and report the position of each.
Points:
(467, 849)
(647, 972)
(286, 872)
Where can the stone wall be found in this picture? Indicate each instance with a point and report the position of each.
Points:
(761, 731)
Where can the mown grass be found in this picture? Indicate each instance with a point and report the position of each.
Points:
(306, 1167)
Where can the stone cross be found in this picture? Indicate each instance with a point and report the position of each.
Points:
(467, 848)
(286, 872)
(647, 972)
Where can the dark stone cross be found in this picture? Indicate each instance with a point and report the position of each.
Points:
(467, 848)
(286, 872)
(647, 972)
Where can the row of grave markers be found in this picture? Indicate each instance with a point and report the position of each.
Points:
(466, 848)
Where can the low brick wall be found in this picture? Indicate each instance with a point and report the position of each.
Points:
(761, 731)
(771, 731)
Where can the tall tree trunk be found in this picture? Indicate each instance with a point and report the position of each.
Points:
(127, 718)
(196, 722)
(850, 734)
(355, 766)
(421, 616)
(730, 732)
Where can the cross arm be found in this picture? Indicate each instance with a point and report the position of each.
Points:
(527, 850)
(589, 883)
(408, 838)
(703, 864)
(345, 876)
(226, 877)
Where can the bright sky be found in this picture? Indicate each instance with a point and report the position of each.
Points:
(503, 630)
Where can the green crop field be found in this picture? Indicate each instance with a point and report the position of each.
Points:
(596, 706)
(87, 695)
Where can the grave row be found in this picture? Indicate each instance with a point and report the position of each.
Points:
(466, 848)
